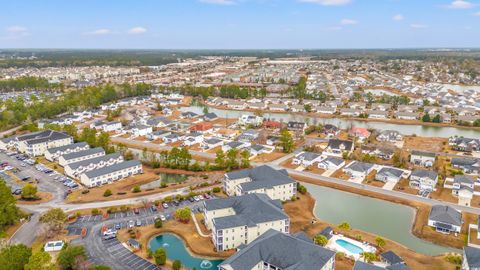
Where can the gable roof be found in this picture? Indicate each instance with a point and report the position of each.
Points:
(472, 255)
(66, 147)
(445, 214)
(261, 177)
(83, 153)
(281, 250)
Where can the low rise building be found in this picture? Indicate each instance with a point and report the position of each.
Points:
(263, 179)
(275, 250)
(111, 173)
(75, 169)
(53, 154)
(445, 219)
(80, 156)
(238, 221)
(424, 179)
(36, 143)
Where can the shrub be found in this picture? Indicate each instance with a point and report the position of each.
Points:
(158, 223)
(121, 193)
(85, 191)
(163, 184)
(320, 240)
(177, 265)
(107, 193)
(95, 211)
(160, 256)
(216, 189)
(302, 189)
(136, 189)
(344, 226)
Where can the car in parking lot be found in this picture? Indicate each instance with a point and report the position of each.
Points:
(139, 223)
(154, 208)
(165, 205)
(136, 211)
(191, 199)
(109, 236)
(163, 218)
(131, 224)
(118, 226)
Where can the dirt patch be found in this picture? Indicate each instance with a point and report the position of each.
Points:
(269, 157)
(431, 144)
(403, 186)
(444, 194)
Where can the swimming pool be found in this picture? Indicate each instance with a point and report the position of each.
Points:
(349, 246)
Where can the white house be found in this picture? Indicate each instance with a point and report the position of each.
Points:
(358, 169)
(192, 139)
(445, 219)
(390, 174)
(338, 147)
(75, 169)
(140, 130)
(250, 120)
(331, 163)
(306, 158)
(422, 158)
(112, 126)
(424, 179)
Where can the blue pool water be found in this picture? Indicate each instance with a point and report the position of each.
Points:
(349, 246)
(176, 250)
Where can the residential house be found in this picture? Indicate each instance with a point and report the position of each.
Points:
(389, 136)
(422, 158)
(171, 138)
(389, 174)
(272, 124)
(377, 114)
(278, 107)
(445, 219)
(238, 221)
(210, 116)
(250, 120)
(424, 180)
(159, 134)
(53, 154)
(192, 139)
(358, 169)
(306, 158)
(111, 126)
(382, 151)
(273, 140)
(211, 143)
(330, 130)
(263, 179)
(296, 126)
(470, 119)
(138, 130)
(381, 106)
(236, 105)
(350, 112)
(158, 122)
(338, 147)
(226, 133)
(276, 250)
(203, 127)
(407, 115)
(390, 258)
(471, 258)
(463, 186)
(464, 144)
(361, 133)
(235, 145)
(468, 165)
(407, 108)
(325, 109)
(297, 108)
(331, 163)
(248, 135)
(111, 173)
(258, 149)
(188, 115)
(80, 155)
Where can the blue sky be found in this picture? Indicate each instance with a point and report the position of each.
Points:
(239, 24)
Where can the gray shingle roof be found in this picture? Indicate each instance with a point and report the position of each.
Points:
(250, 210)
(112, 168)
(262, 177)
(96, 160)
(390, 172)
(359, 166)
(83, 153)
(445, 214)
(66, 147)
(281, 250)
(425, 174)
(473, 256)
(359, 265)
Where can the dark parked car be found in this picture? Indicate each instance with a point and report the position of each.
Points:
(136, 211)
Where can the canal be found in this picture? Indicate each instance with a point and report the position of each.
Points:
(383, 218)
(419, 130)
(176, 250)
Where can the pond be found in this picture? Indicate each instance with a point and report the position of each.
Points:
(420, 130)
(176, 250)
(167, 178)
(383, 218)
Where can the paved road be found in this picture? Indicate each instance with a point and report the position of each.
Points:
(392, 193)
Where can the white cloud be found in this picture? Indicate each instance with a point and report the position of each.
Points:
(219, 2)
(15, 32)
(328, 2)
(398, 17)
(417, 25)
(137, 30)
(348, 22)
(99, 32)
(477, 14)
(460, 4)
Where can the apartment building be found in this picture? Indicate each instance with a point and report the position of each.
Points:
(75, 169)
(80, 156)
(53, 154)
(263, 179)
(35, 144)
(275, 250)
(238, 221)
(111, 173)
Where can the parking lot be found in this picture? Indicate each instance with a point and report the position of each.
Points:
(46, 182)
(112, 252)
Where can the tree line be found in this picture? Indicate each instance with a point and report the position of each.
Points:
(29, 83)
(18, 111)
